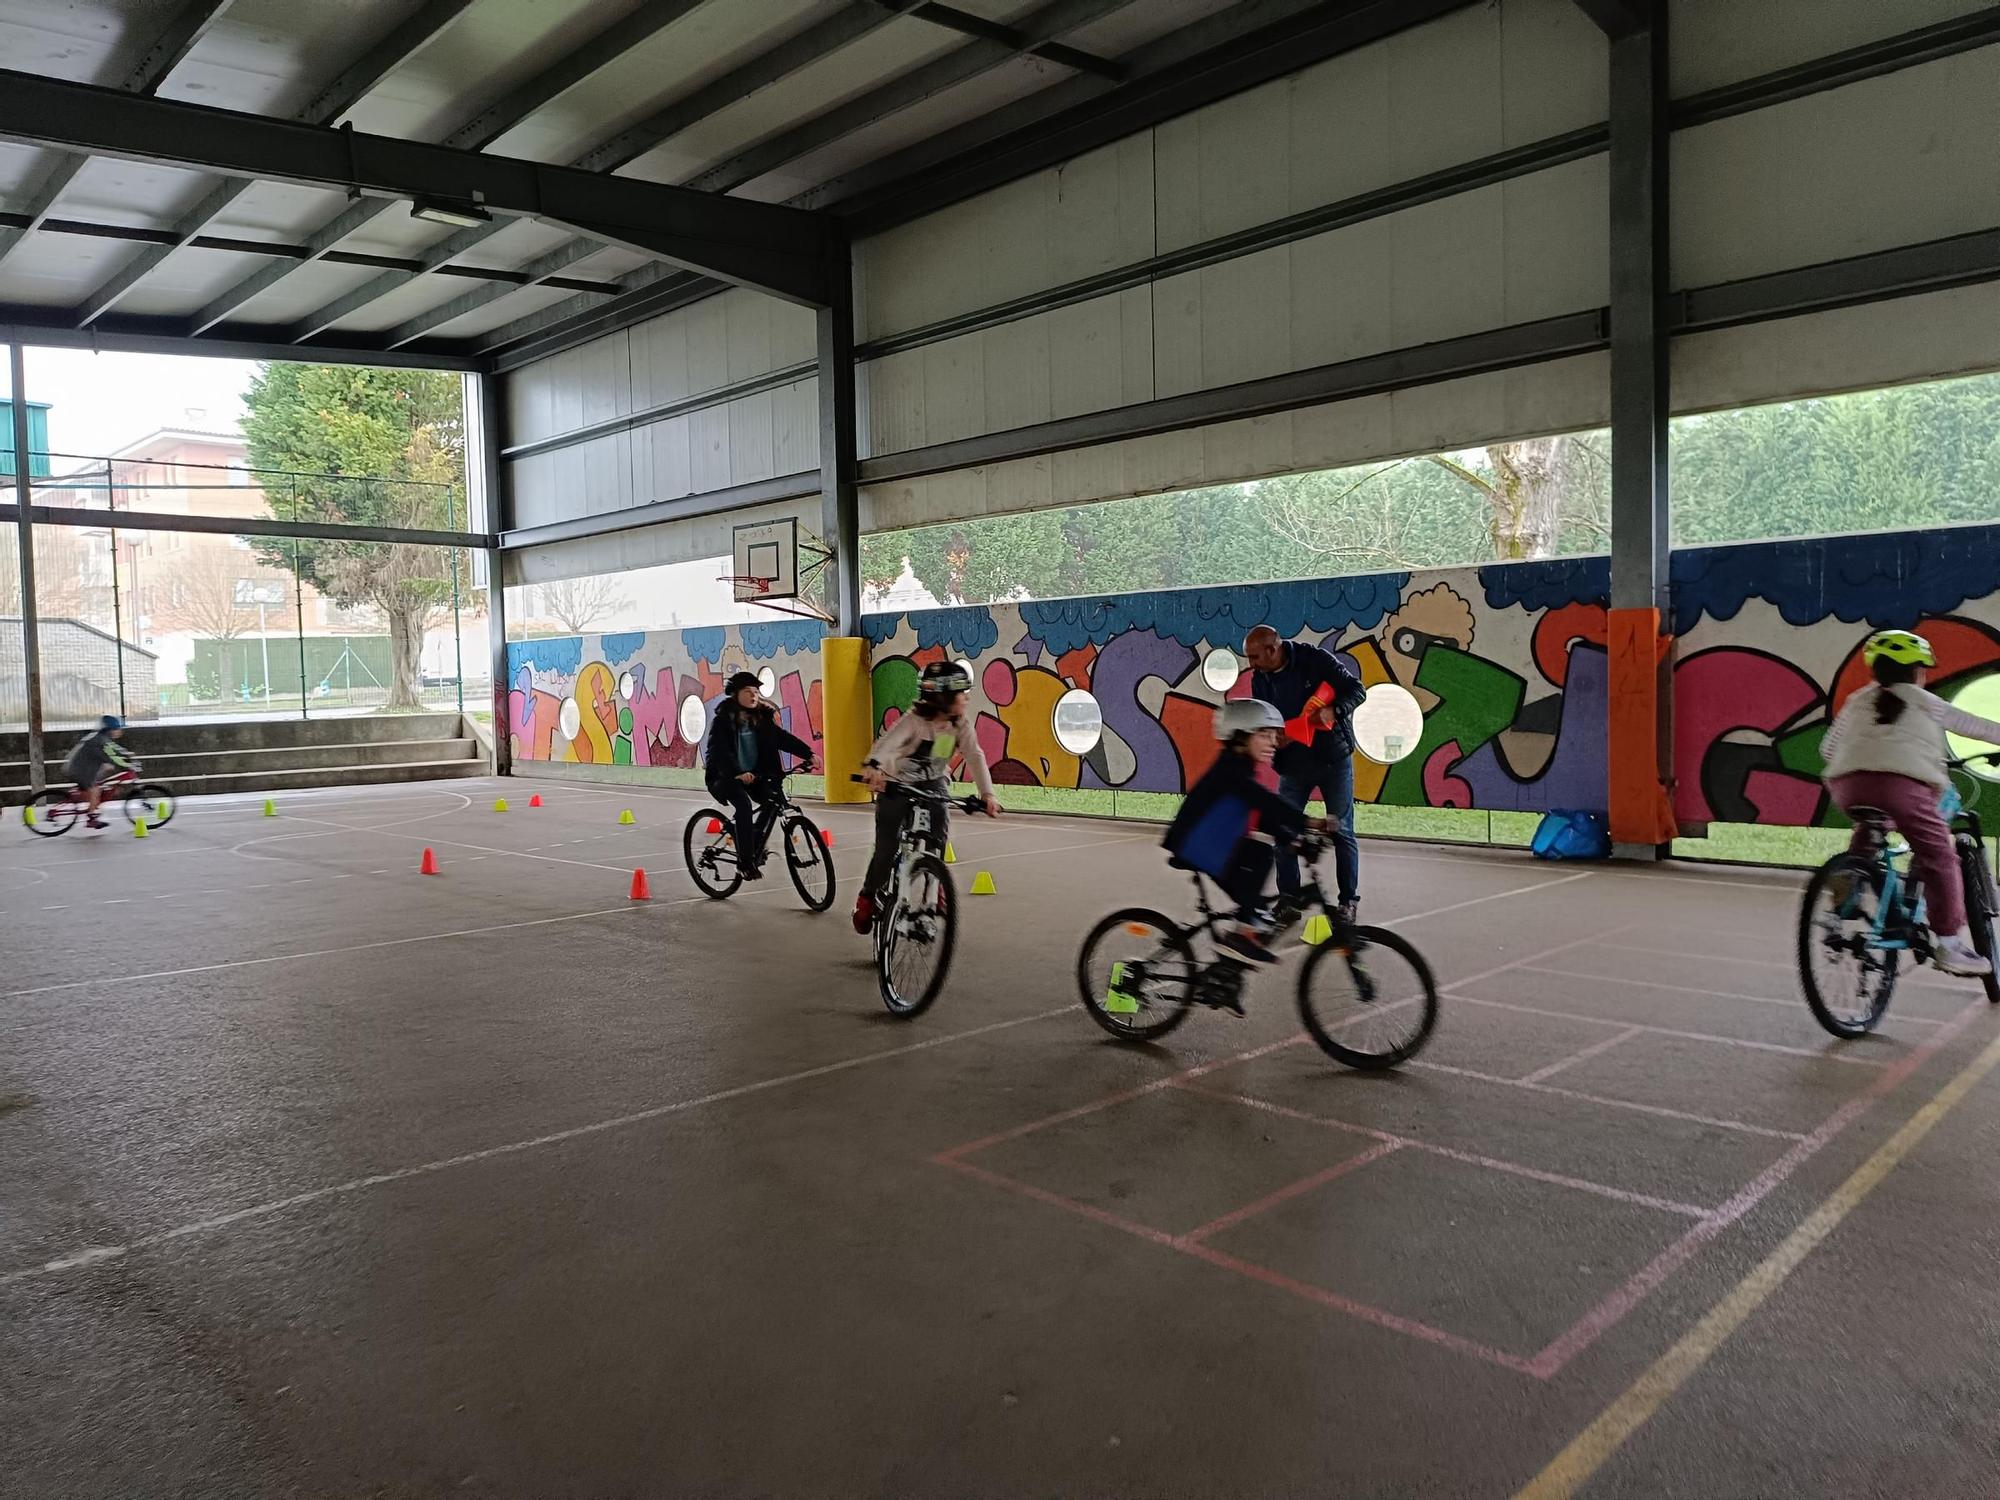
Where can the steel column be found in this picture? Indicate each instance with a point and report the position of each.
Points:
(1639, 733)
(485, 444)
(24, 504)
(839, 506)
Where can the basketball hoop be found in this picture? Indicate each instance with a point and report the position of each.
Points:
(750, 588)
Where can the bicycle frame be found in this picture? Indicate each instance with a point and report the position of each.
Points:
(1902, 919)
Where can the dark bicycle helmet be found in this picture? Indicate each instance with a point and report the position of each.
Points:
(111, 721)
(943, 678)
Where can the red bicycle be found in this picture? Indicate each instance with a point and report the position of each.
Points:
(60, 809)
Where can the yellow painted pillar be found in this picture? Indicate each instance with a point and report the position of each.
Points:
(847, 713)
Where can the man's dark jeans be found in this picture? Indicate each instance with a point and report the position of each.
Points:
(1334, 781)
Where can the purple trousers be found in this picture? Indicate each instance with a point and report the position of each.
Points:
(1912, 806)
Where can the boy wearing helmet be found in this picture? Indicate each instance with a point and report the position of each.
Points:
(1887, 750)
(742, 765)
(93, 758)
(916, 750)
(1213, 831)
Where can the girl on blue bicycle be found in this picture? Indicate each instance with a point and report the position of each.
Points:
(1886, 750)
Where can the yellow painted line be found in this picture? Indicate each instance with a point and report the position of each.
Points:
(1574, 1466)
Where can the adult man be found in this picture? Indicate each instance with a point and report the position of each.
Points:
(1317, 694)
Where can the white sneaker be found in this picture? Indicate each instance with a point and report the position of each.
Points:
(1956, 956)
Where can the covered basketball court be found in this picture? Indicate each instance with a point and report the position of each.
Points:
(320, 1175)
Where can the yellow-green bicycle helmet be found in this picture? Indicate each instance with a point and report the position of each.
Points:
(1902, 646)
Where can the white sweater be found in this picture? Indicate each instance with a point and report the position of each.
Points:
(916, 749)
(1913, 746)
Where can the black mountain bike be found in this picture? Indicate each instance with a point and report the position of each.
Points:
(1365, 995)
(1863, 911)
(916, 914)
(709, 843)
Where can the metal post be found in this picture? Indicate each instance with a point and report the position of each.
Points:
(264, 644)
(117, 617)
(457, 646)
(840, 517)
(487, 438)
(31, 634)
(1640, 738)
(299, 604)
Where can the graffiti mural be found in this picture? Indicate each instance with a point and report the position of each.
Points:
(1508, 662)
(645, 698)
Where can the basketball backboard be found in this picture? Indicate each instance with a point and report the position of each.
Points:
(765, 561)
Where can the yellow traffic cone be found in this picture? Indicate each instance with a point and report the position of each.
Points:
(625, 819)
(270, 808)
(139, 828)
(160, 811)
(950, 854)
(1318, 929)
(28, 816)
(982, 884)
(499, 804)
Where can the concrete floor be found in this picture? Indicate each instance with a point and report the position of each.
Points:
(318, 1177)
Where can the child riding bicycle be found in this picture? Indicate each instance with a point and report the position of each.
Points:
(1230, 824)
(1886, 750)
(742, 763)
(94, 758)
(916, 751)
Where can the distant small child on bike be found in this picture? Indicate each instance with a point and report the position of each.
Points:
(916, 751)
(742, 762)
(1229, 824)
(95, 757)
(1886, 750)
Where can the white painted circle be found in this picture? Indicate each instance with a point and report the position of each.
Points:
(625, 686)
(694, 719)
(1220, 669)
(570, 720)
(1388, 724)
(767, 682)
(970, 675)
(1079, 722)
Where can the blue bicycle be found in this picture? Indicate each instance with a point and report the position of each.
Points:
(1863, 911)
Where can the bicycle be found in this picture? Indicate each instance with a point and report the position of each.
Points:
(916, 914)
(59, 809)
(1140, 976)
(709, 846)
(1863, 911)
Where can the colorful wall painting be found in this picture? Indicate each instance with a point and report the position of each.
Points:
(1508, 662)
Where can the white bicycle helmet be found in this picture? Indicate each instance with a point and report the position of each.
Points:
(1246, 716)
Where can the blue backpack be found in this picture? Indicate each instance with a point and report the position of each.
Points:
(1570, 834)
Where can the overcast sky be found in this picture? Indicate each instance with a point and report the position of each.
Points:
(100, 402)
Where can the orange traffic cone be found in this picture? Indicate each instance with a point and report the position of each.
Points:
(430, 864)
(641, 891)
(536, 800)
(715, 825)
(826, 837)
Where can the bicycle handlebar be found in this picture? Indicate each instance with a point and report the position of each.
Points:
(1959, 762)
(970, 803)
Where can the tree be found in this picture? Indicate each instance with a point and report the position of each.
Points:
(1535, 490)
(62, 563)
(198, 595)
(579, 603)
(380, 448)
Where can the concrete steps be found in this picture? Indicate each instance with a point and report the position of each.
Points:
(276, 754)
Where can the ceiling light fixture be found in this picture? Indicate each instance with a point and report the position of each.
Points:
(457, 215)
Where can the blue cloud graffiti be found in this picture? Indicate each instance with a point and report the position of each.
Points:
(621, 648)
(788, 637)
(562, 655)
(1887, 579)
(1218, 617)
(1547, 584)
(966, 630)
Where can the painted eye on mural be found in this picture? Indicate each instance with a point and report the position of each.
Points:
(1220, 669)
(625, 686)
(1079, 723)
(1388, 724)
(966, 667)
(1408, 642)
(570, 720)
(694, 718)
(767, 682)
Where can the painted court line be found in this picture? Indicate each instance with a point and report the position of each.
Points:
(1590, 1449)
(1595, 1049)
(1292, 1190)
(96, 1254)
(1683, 989)
(1661, 1110)
(1830, 1053)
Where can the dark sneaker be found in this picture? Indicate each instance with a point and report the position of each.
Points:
(1287, 909)
(1246, 944)
(751, 872)
(1347, 913)
(864, 914)
(96, 823)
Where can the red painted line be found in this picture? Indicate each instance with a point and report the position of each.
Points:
(1470, 1158)
(1595, 1049)
(1608, 1313)
(1292, 1190)
(1058, 1200)
(1644, 1109)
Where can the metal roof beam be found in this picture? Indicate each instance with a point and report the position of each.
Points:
(129, 334)
(809, 46)
(189, 24)
(541, 272)
(476, 134)
(339, 96)
(1033, 32)
(1619, 18)
(787, 252)
(1015, 39)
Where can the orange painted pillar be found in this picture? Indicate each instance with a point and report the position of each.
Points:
(1642, 809)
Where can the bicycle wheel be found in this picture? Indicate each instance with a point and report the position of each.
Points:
(1846, 977)
(711, 857)
(150, 801)
(808, 861)
(1136, 973)
(1980, 906)
(55, 812)
(918, 929)
(1368, 999)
